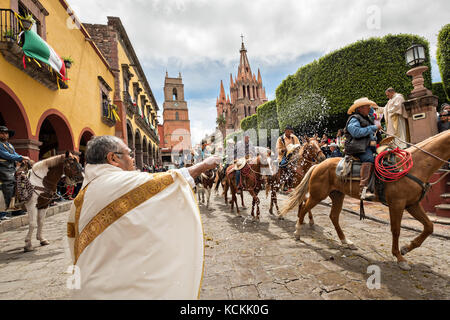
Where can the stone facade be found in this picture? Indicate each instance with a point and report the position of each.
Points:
(136, 105)
(246, 94)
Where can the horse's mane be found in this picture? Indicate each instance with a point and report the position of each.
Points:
(48, 163)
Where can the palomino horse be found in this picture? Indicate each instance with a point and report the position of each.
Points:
(308, 155)
(204, 183)
(321, 181)
(44, 177)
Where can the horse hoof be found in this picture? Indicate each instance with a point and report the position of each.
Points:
(280, 217)
(404, 266)
(349, 245)
(28, 249)
(404, 250)
(45, 243)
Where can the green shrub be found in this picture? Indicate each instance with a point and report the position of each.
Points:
(438, 90)
(267, 120)
(250, 122)
(443, 57)
(318, 96)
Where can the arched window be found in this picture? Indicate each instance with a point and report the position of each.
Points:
(243, 89)
(175, 94)
(248, 92)
(245, 111)
(249, 111)
(177, 116)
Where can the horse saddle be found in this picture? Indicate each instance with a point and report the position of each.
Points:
(348, 168)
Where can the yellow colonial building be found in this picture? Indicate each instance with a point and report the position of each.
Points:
(132, 92)
(54, 107)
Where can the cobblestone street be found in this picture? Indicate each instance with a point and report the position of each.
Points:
(248, 260)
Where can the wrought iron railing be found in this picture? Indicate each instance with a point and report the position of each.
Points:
(9, 25)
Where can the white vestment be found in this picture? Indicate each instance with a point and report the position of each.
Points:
(395, 116)
(154, 250)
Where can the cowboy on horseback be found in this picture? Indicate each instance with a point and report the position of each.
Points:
(244, 150)
(287, 139)
(361, 141)
(8, 159)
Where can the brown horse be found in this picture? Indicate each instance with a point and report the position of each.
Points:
(44, 177)
(251, 179)
(300, 162)
(321, 181)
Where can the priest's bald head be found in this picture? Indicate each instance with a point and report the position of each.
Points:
(110, 150)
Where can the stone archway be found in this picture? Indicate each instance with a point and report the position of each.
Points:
(55, 134)
(138, 149)
(130, 136)
(13, 115)
(86, 135)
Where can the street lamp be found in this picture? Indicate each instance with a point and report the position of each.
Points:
(415, 55)
(421, 106)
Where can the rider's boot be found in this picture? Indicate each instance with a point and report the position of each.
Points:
(366, 171)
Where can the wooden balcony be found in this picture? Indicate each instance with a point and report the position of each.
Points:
(10, 47)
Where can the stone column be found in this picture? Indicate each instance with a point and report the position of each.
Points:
(27, 147)
(139, 159)
(145, 157)
(421, 108)
(422, 117)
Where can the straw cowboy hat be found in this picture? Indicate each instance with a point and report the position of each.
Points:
(360, 103)
(387, 141)
(292, 148)
(386, 144)
(240, 164)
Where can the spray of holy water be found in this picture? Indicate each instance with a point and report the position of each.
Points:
(308, 112)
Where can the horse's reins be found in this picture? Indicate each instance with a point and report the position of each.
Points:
(415, 146)
(43, 189)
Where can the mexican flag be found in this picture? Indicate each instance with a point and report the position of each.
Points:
(36, 48)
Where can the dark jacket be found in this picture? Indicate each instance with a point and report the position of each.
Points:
(360, 141)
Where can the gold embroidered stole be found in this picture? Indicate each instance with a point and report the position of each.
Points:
(115, 210)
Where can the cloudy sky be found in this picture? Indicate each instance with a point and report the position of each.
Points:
(201, 38)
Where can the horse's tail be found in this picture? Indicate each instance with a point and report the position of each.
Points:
(298, 195)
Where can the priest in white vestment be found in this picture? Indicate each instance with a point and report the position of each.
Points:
(396, 116)
(135, 235)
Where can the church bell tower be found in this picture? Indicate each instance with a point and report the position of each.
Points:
(177, 126)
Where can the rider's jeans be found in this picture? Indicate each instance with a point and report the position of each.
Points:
(238, 177)
(368, 155)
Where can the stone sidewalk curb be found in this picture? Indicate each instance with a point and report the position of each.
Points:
(386, 222)
(21, 221)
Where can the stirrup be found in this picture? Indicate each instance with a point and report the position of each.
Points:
(367, 195)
